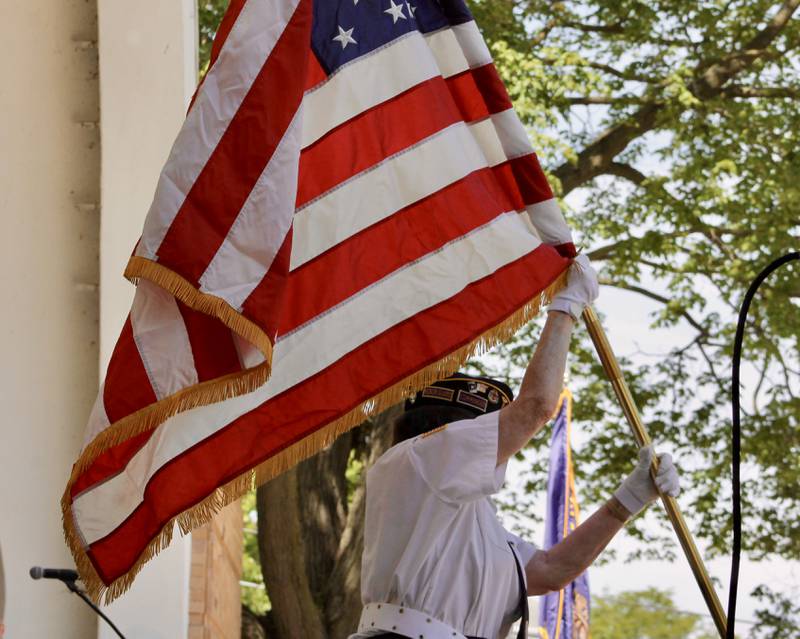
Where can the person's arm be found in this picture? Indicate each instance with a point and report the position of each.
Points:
(553, 569)
(544, 377)
(550, 570)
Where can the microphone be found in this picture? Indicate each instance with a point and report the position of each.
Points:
(68, 578)
(37, 572)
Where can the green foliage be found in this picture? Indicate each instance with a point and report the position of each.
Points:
(781, 619)
(645, 614)
(255, 598)
(210, 14)
(685, 184)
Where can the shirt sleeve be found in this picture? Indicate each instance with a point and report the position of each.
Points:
(525, 549)
(458, 462)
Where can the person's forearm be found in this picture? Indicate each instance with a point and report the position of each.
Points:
(541, 387)
(544, 377)
(555, 568)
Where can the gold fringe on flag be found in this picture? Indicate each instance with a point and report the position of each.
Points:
(142, 268)
(205, 510)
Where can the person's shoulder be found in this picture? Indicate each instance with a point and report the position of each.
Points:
(395, 455)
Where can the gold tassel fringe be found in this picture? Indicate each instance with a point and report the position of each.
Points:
(149, 417)
(205, 510)
(209, 392)
(142, 268)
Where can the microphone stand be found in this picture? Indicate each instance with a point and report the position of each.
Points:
(70, 584)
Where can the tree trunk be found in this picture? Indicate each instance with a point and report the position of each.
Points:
(311, 536)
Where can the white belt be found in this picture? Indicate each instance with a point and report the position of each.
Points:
(384, 617)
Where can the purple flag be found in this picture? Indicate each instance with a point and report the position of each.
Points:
(563, 614)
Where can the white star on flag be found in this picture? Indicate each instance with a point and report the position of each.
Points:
(396, 11)
(411, 9)
(345, 37)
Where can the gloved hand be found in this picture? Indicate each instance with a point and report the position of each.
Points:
(581, 289)
(638, 489)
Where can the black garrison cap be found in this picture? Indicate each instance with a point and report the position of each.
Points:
(478, 395)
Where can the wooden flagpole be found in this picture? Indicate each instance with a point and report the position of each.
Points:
(625, 399)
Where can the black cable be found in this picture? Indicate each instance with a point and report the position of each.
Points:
(73, 588)
(737, 434)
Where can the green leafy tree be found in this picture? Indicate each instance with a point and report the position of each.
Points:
(780, 619)
(676, 123)
(670, 132)
(210, 14)
(645, 614)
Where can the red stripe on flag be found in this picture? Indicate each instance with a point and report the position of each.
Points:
(223, 186)
(372, 136)
(479, 93)
(266, 302)
(127, 387)
(524, 178)
(301, 410)
(373, 253)
(315, 74)
(109, 463)
(212, 344)
(492, 88)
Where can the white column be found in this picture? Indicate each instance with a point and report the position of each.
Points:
(148, 72)
(49, 183)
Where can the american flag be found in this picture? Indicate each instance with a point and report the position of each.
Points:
(351, 209)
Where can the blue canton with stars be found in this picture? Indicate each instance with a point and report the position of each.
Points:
(347, 29)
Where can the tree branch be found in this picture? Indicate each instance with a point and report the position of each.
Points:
(542, 35)
(702, 332)
(603, 99)
(614, 29)
(658, 298)
(738, 91)
(623, 75)
(630, 173)
(619, 28)
(607, 251)
(595, 159)
(710, 81)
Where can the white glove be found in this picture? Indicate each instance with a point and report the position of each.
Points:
(638, 489)
(581, 289)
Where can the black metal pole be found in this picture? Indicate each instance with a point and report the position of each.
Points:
(74, 588)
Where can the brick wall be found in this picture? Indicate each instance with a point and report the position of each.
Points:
(214, 597)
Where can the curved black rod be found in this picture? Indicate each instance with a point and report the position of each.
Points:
(73, 588)
(737, 435)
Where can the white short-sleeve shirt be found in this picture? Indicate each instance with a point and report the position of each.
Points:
(433, 541)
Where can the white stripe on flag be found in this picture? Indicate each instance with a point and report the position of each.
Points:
(511, 134)
(249, 355)
(261, 226)
(549, 222)
(459, 48)
(367, 82)
(160, 335)
(247, 48)
(417, 286)
(472, 44)
(98, 419)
